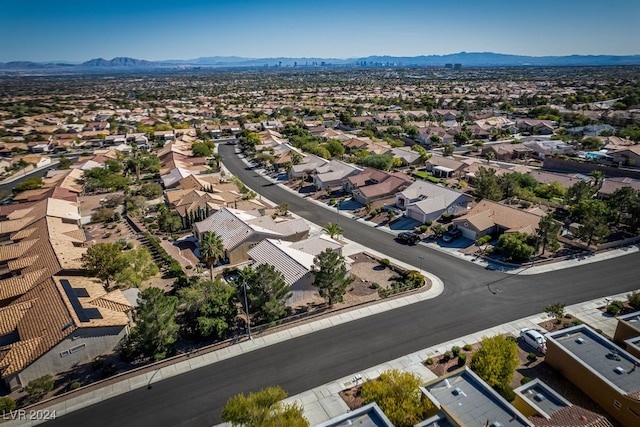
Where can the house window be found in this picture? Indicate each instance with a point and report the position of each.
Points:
(77, 348)
(64, 353)
(617, 405)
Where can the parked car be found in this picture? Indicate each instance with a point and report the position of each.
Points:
(409, 237)
(534, 339)
(451, 235)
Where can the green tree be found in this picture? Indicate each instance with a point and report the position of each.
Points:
(263, 409)
(378, 161)
(150, 190)
(200, 149)
(330, 276)
(591, 143)
(556, 311)
(515, 246)
(208, 307)
(64, 162)
(136, 205)
(28, 184)
(283, 209)
(335, 147)
(7, 404)
(622, 201)
(597, 176)
(424, 156)
(38, 388)
(137, 266)
(399, 396)
(267, 294)
(486, 184)
(332, 229)
(578, 192)
(448, 149)
(211, 249)
(509, 184)
(438, 230)
(103, 260)
(496, 360)
(103, 215)
(593, 216)
(548, 233)
(155, 329)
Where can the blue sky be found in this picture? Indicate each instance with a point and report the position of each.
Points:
(79, 30)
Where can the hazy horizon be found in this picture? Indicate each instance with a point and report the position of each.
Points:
(76, 31)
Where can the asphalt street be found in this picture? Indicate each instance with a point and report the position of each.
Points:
(474, 299)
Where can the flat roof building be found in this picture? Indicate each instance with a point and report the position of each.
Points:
(466, 400)
(601, 369)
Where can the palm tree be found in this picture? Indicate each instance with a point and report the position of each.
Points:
(211, 249)
(332, 229)
(217, 158)
(597, 177)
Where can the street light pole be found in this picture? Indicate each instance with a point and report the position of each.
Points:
(421, 258)
(246, 304)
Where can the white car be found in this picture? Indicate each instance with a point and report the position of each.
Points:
(534, 339)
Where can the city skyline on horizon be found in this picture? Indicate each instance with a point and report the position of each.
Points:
(77, 31)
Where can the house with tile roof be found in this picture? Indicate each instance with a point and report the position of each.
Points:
(488, 217)
(295, 261)
(334, 174)
(424, 201)
(241, 230)
(373, 184)
(58, 324)
(444, 167)
(307, 166)
(40, 240)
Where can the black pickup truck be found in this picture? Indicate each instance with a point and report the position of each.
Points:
(409, 237)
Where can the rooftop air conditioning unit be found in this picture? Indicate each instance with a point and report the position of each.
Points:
(580, 340)
(619, 370)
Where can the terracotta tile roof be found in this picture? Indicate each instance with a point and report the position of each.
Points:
(45, 315)
(572, 416)
(487, 214)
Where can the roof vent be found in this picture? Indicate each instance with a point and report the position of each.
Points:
(539, 397)
(619, 370)
(496, 424)
(447, 383)
(456, 391)
(580, 340)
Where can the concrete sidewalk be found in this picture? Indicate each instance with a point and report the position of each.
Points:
(324, 403)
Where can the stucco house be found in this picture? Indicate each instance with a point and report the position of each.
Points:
(53, 327)
(493, 218)
(295, 261)
(242, 230)
(334, 174)
(424, 201)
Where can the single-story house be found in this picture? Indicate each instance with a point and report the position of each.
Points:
(242, 230)
(295, 261)
(444, 167)
(424, 201)
(507, 151)
(334, 174)
(492, 218)
(373, 184)
(307, 166)
(547, 147)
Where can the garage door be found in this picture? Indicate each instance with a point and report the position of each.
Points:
(418, 216)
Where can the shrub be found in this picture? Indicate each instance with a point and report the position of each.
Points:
(532, 356)
(429, 361)
(455, 350)
(507, 392)
(39, 387)
(447, 356)
(524, 204)
(423, 228)
(525, 380)
(7, 404)
(108, 370)
(130, 245)
(613, 309)
(634, 299)
(385, 262)
(97, 363)
(467, 347)
(107, 235)
(462, 359)
(75, 385)
(428, 223)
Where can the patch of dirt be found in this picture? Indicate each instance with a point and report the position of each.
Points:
(352, 397)
(441, 367)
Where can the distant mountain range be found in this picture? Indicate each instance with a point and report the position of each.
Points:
(474, 59)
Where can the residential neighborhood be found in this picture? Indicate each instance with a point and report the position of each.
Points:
(156, 225)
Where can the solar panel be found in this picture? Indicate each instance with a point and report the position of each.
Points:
(75, 302)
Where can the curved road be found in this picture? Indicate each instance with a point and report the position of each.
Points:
(473, 299)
